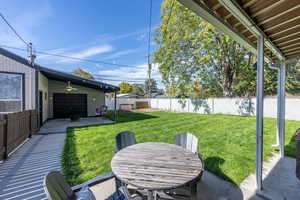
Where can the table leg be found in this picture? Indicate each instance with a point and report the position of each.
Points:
(150, 195)
(194, 191)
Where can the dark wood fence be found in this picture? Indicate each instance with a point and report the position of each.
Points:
(15, 128)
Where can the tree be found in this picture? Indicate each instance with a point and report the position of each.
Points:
(293, 76)
(125, 88)
(153, 86)
(82, 73)
(138, 89)
(191, 49)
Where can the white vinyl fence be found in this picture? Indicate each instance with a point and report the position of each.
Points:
(233, 106)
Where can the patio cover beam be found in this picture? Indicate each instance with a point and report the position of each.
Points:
(201, 9)
(207, 14)
(210, 16)
(234, 8)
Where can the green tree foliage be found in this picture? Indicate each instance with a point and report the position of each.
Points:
(153, 86)
(191, 49)
(138, 89)
(125, 88)
(83, 73)
(293, 76)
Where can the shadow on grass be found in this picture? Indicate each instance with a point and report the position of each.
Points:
(70, 162)
(123, 116)
(213, 164)
(290, 149)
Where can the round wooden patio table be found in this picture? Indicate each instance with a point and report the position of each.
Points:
(156, 166)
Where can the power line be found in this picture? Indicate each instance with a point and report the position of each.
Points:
(13, 29)
(70, 57)
(86, 60)
(96, 75)
(120, 80)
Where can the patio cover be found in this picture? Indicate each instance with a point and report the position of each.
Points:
(268, 28)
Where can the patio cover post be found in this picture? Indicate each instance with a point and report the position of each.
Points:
(115, 107)
(282, 108)
(259, 110)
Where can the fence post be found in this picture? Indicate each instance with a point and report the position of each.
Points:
(33, 122)
(5, 153)
(213, 105)
(30, 124)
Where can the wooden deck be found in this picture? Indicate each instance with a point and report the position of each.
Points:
(22, 174)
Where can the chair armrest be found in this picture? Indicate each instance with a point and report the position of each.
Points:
(94, 181)
(202, 159)
(115, 151)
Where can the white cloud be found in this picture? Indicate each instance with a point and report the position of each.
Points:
(138, 73)
(122, 53)
(25, 23)
(81, 54)
(92, 51)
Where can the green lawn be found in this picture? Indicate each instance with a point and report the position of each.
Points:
(227, 142)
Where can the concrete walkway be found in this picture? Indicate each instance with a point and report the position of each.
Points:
(21, 175)
(279, 181)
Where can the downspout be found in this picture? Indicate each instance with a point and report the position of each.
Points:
(278, 102)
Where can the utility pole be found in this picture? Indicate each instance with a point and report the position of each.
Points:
(149, 48)
(31, 56)
(149, 79)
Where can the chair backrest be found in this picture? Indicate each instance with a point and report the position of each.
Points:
(121, 194)
(188, 141)
(56, 187)
(104, 108)
(124, 139)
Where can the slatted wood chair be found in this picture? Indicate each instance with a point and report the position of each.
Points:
(56, 188)
(187, 141)
(124, 139)
(190, 142)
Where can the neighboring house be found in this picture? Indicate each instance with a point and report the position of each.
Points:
(127, 95)
(59, 94)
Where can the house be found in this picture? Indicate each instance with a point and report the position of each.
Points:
(127, 95)
(53, 93)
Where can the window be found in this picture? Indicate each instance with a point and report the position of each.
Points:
(11, 92)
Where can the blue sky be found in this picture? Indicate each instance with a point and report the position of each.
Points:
(113, 31)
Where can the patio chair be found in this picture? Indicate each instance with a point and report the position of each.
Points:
(124, 139)
(190, 142)
(187, 141)
(56, 188)
(101, 111)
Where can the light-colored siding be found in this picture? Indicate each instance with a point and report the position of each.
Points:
(60, 87)
(43, 86)
(12, 66)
